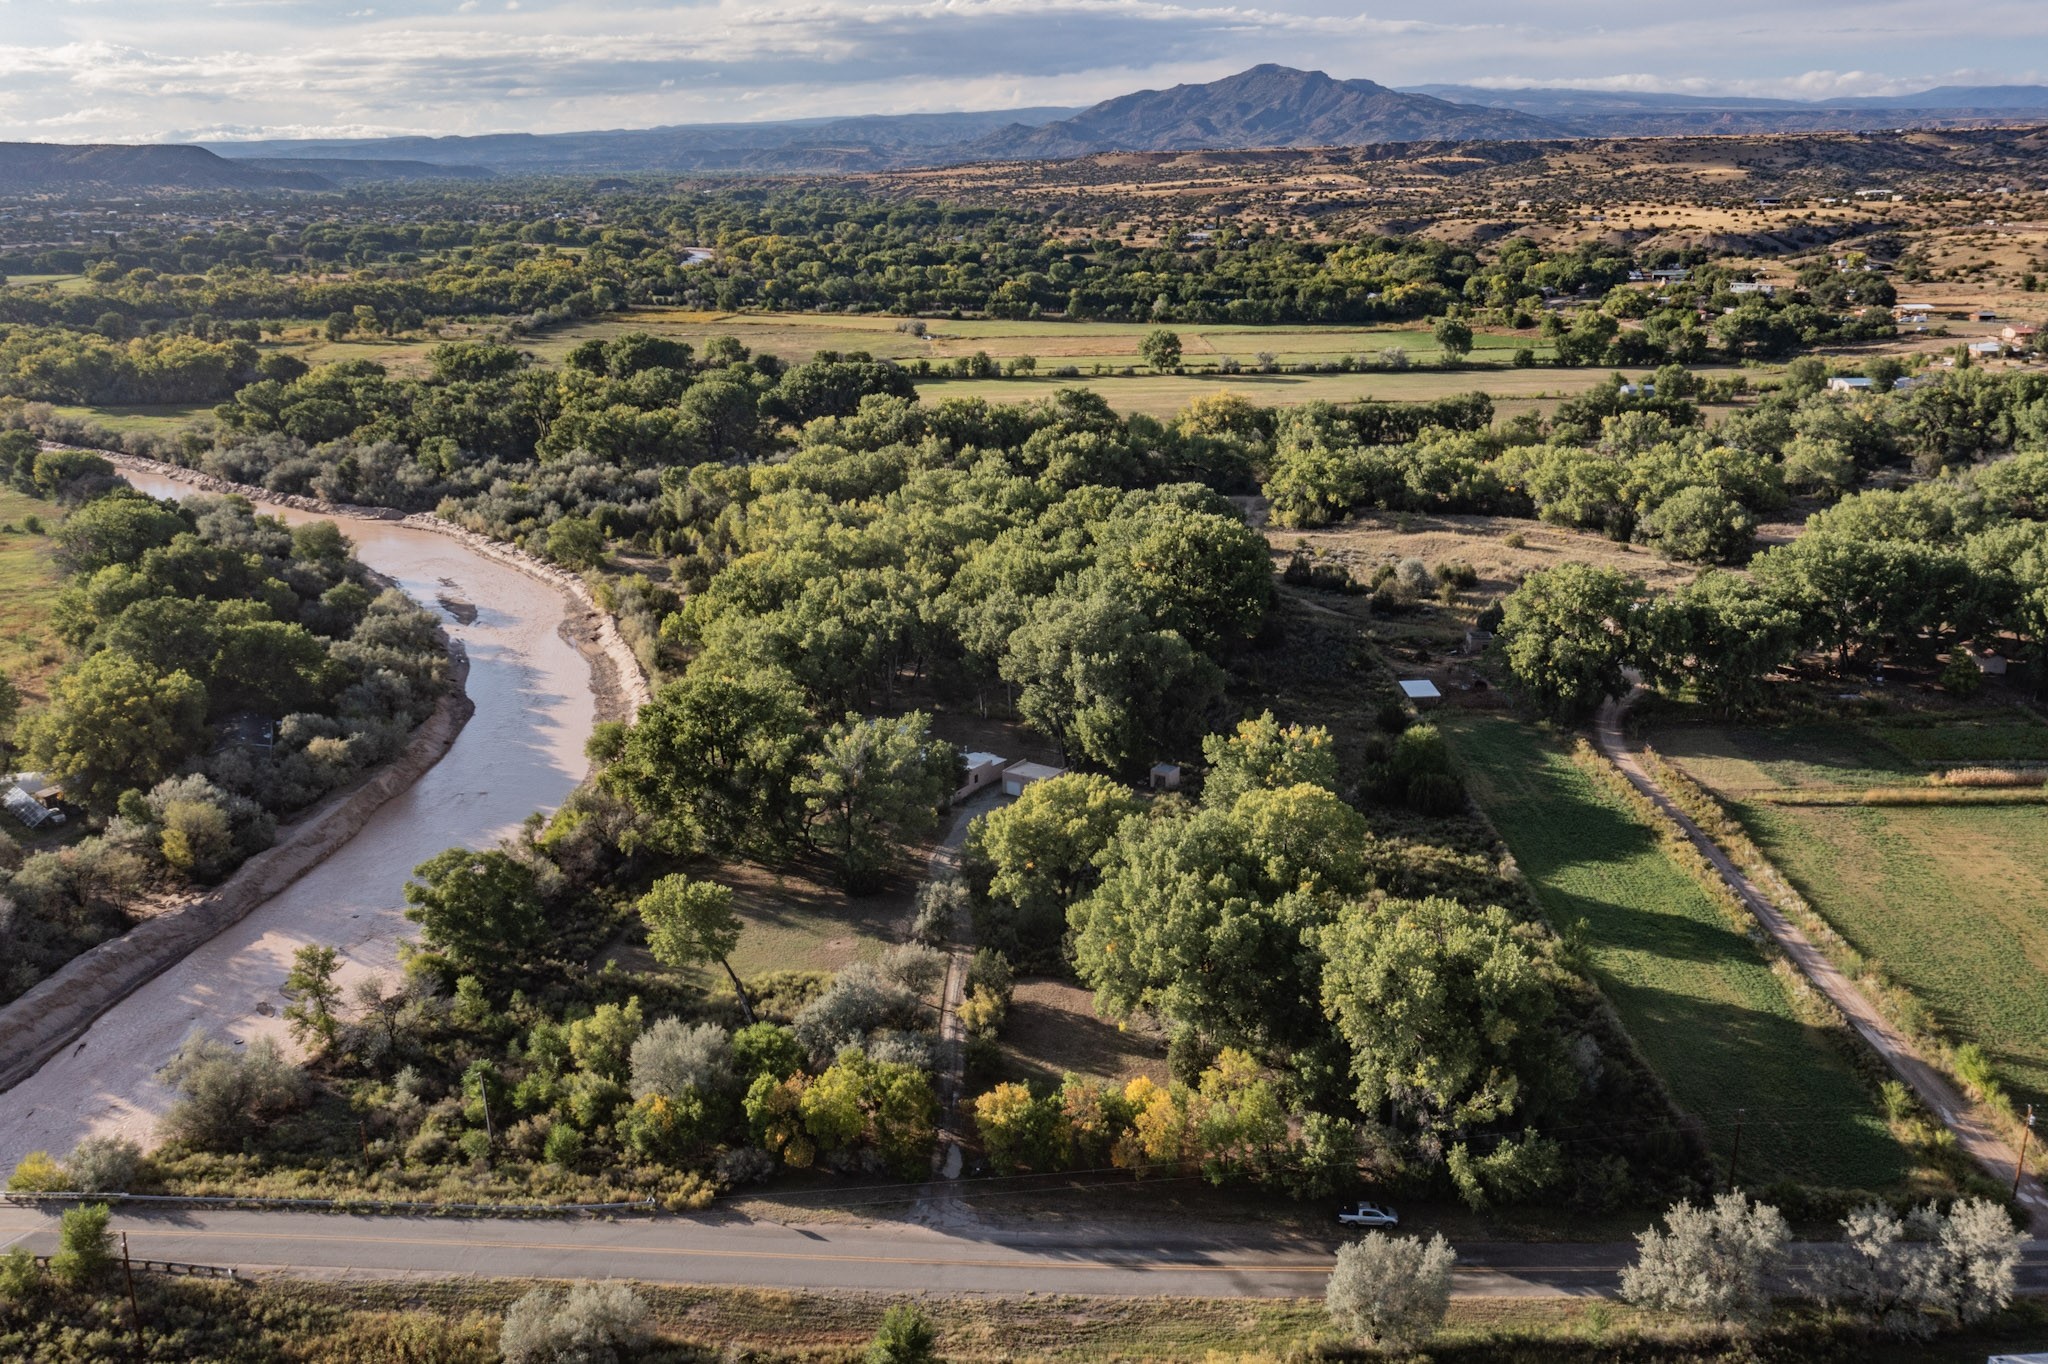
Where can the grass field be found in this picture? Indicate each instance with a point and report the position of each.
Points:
(29, 580)
(1694, 992)
(164, 417)
(1950, 900)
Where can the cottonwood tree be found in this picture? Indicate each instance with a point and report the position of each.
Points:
(693, 921)
(712, 761)
(1447, 1010)
(872, 786)
(113, 725)
(1041, 850)
(1453, 337)
(1391, 1292)
(475, 907)
(1712, 1261)
(1568, 633)
(1264, 754)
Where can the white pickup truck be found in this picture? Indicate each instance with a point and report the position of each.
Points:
(1368, 1215)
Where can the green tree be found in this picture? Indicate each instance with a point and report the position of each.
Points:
(1202, 914)
(115, 529)
(1041, 849)
(712, 761)
(1567, 634)
(576, 541)
(1161, 349)
(479, 908)
(1447, 1010)
(1097, 677)
(112, 725)
(310, 996)
(691, 921)
(1263, 754)
(1718, 636)
(1453, 337)
(872, 786)
(1702, 524)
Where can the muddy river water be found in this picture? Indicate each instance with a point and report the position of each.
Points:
(521, 751)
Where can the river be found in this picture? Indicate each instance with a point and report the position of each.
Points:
(521, 751)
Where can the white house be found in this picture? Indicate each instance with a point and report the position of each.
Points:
(1849, 384)
(1021, 775)
(983, 771)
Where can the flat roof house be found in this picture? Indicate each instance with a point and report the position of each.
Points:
(1021, 775)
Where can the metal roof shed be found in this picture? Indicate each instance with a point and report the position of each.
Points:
(1419, 689)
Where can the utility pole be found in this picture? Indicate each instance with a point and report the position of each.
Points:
(1736, 1154)
(2019, 1169)
(134, 1311)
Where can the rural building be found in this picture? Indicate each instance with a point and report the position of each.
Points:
(25, 799)
(2021, 333)
(1671, 276)
(983, 771)
(1166, 776)
(1913, 312)
(1021, 775)
(1849, 384)
(1987, 349)
(1421, 691)
(1750, 287)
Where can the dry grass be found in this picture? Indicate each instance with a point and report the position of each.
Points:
(29, 581)
(1053, 1030)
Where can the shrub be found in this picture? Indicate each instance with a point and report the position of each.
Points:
(859, 1002)
(38, 1173)
(1710, 1262)
(84, 1245)
(938, 901)
(907, 1336)
(983, 1011)
(914, 966)
(744, 1165)
(990, 970)
(103, 1165)
(20, 1276)
(600, 1323)
(563, 1147)
(1391, 1291)
(227, 1092)
(673, 1057)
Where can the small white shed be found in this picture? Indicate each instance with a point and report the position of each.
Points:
(1021, 775)
(1420, 690)
(1166, 776)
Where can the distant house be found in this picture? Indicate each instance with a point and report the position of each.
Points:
(1645, 389)
(2021, 333)
(1906, 383)
(1849, 384)
(1984, 315)
(1670, 276)
(983, 771)
(1751, 287)
(1988, 349)
(1021, 775)
(1913, 312)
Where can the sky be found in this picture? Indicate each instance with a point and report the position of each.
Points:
(189, 70)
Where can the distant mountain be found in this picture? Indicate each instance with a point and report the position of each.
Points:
(1616, 113)
(52, 168)
(344, 170)
(868, 142)
(1267, 106)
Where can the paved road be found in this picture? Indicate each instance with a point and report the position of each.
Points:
(872, 1256)
(1972, 1125)
(880, 1257)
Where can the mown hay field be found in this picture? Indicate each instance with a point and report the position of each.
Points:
(1696, 994)
(1951, 901)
